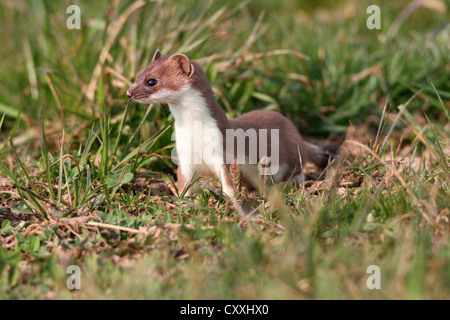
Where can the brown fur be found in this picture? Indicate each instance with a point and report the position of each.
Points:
(175, 71)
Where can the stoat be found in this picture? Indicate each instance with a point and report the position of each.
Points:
(207, 142)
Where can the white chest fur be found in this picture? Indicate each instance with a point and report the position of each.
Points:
(198, 138)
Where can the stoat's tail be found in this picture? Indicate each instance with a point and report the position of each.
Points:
(321, 155)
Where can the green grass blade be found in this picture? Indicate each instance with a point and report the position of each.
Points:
(44, 150)
(135, 135)
(1, 121)
(104, 128)
(441, 103)
(9, 111)
(21, 190)
(87, 147)
(441, 151)
(119, 134)
(146, 145)
(30, 181)
(60, 174)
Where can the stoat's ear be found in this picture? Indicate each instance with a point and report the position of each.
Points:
(157, 55)
(183, 64)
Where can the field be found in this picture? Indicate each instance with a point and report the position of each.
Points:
(86, 177)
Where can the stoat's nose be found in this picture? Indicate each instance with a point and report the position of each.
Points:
(129, 93)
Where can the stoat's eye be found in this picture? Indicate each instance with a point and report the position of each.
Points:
(152, 82)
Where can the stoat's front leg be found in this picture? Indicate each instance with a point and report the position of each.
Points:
(223, 173)
(185, 175)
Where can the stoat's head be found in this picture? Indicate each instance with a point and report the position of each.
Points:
(163, 80)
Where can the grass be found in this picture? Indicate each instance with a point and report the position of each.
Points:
(86, 176)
